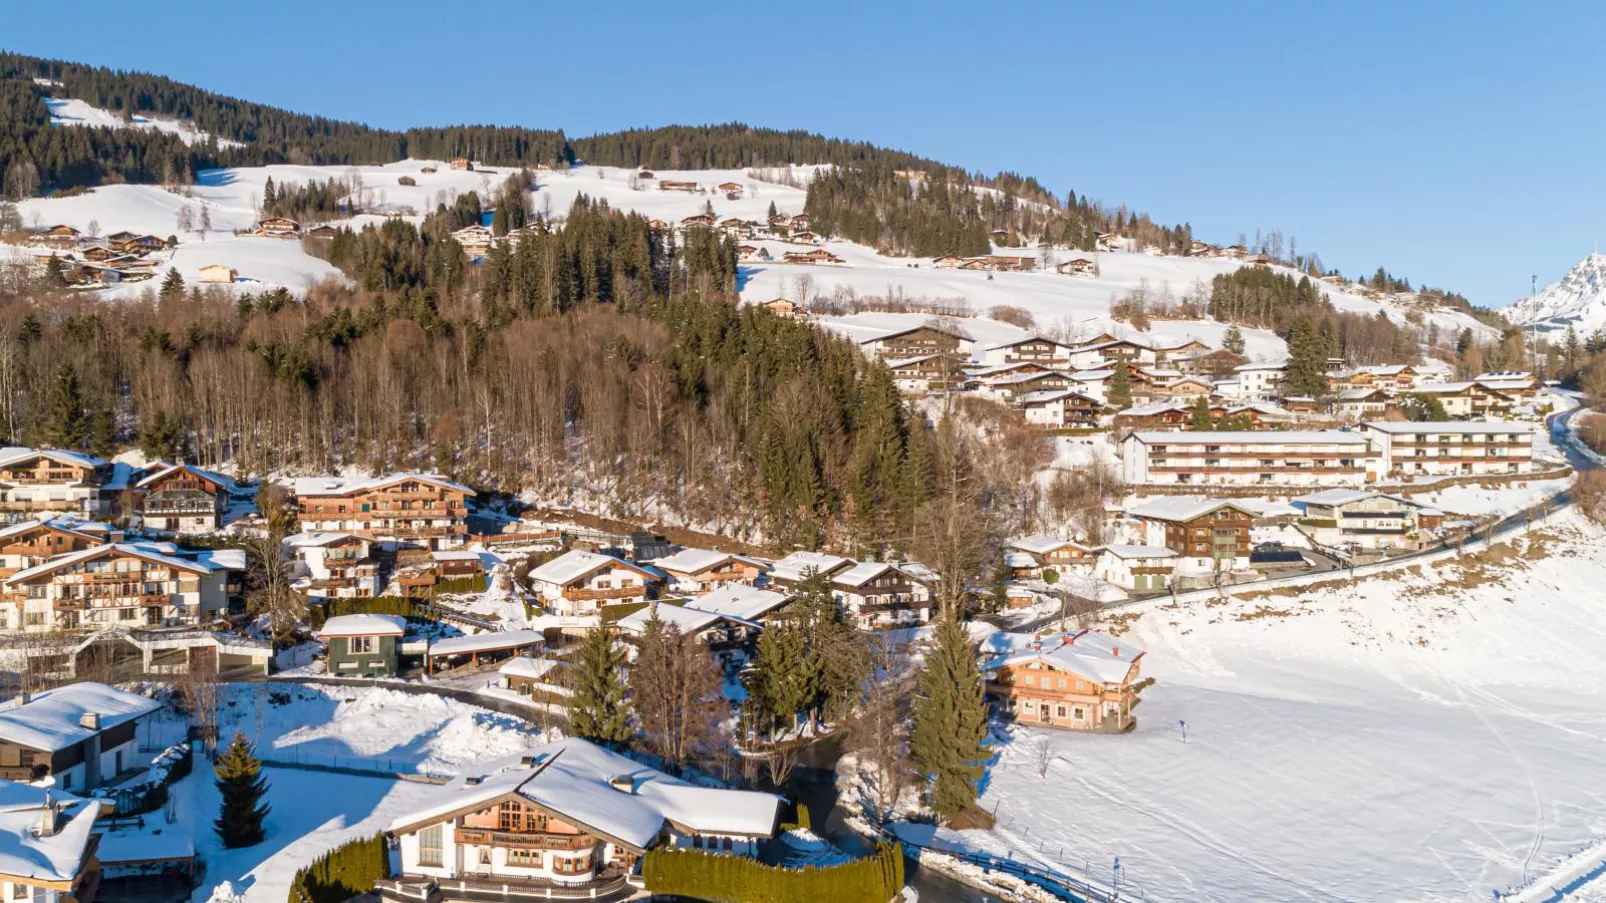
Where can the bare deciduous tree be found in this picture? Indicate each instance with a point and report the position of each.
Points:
(270, 591)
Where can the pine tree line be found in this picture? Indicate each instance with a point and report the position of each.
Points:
(347, 871)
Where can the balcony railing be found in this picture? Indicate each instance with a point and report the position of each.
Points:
(529, 840)
(623, 592)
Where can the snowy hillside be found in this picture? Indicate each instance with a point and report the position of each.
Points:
(1578, 300)
(68, 112)
(1431, 737)
(1077, 305)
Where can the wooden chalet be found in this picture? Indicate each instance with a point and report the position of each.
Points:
(1080, 266)
(1074, 681)
(278, 226)
(927, 339)
(179, 498)
(676, 185)
(461, 164)
(218, 273)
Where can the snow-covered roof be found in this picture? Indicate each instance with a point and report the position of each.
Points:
(692, 561)
(1459, 426)
(1262, 365)
(1048, 396)
(1043, 543)
(525, 666)
(1016, 559)
(1181, 508)
(332, 485)
(493, 641)
(1336, 497)
(1094, 655)
(862, 573)
(1091, 376)
(736, 600)
(1127, 551)
(1151, 410)
(224, 559)
(53, 720)
(799, 565)
(577, 563)
(1359, 394)
(686, 620)
(1255, 437)
(320, 538)
(164, 469)
(28, 526)
(29, 855)
(152, 552)
(16, 454)
(1442, 388)
(1024, 339)
(364, 624)
(604, 793)
(454, 555)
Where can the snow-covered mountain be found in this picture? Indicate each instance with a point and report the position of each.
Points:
(1578, 300)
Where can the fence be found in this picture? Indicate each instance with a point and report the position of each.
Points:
(1077, 889)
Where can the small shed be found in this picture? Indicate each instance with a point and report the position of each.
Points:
(363, 645)
(217, 272)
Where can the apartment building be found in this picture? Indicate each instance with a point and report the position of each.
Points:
(1210, 536)
(131, 585)
(407, 508)
(1361, 519)
(1449, 449)
(334, 565)
(1251, 458)
(884, 594)
(1032, 349)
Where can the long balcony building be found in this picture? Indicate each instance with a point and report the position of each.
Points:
(1250, 458)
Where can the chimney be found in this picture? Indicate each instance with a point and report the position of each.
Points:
(90, 720)
(1115, 651)
(623, 783)
(527, 762)
(472, 781)
(1037, 643)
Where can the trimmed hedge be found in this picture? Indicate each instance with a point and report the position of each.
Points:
(377, 605)
(343, 872)
(458, 585)
(697, 875)
(610, 614)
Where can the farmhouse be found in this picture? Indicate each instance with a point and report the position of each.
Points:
(818, 255)
(416, 508)
(59, 236)
(579, 583)
(180, 498)
(1077, 681)
(461, 164)
(81, 734)
(730, 188)
(278, 226)
(673, 185)
(567, 817)
(1266, 457)
(1079, 266)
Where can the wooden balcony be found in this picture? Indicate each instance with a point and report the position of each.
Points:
(527, 840)
(608, 887)
(586, 595)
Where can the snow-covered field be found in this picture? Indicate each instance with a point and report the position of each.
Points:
(1434, 737)
(73, 112)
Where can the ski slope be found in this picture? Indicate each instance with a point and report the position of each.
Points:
(73, 112)
(1434, 737)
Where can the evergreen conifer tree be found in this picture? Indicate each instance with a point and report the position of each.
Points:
(950, 721)
(1121, 388)
(772, 214)
(1307, 359)
(599, 710)
(172, 285)
(1233, 339)
(240, 781)
(1201, 414)
(68, 425)
(55, 272)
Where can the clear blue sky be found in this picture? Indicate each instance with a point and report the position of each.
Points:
(1455, 143)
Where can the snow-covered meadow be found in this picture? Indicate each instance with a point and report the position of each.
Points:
(1437, 736)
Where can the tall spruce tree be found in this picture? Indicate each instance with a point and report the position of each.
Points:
(172, 285)
(1307, 359)
(599, 710)
(68, 426)
(1201, 414)
(240, 782)
(778, 679)
(1233, 339)
(950, 721)
(1121, 387)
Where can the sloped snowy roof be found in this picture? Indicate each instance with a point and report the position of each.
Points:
(486, 642)
(1048, 396)
(799, 565)
(739, 601)
(1102, 658)
(572, 565)
(525, 666)
(1181, 508)
(1336, 497)
(1150, 410)
(166, 469)
(332, 485)
(1255, 437)
(1442, 388)
(364, 624)
(1359, 394)
(53, 719)
(576, 779)
(1042, 543)
(152, 552)
(1127, 551)
(16, 454)
(1460, 426)
(692, 561)
(51, 857)
(28, 526)
(687, 620)
(1263, 365)
(321, 538)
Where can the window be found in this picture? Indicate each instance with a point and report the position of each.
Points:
(1061, 711)
(21, 892)
(360, 645)
(429, 845)
(526, 858)
(1080, 713)
(577, 866)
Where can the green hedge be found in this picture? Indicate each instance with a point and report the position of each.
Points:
(343, 872)
(378, 605)
(459, 585)
(610, 614)
(697, 875)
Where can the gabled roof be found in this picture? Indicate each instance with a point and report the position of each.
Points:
(53, 720)
(152, 552)
(577, 563)
(604, 793)
(364, 624)
(1120, 550)
(686, 620)
(1459, 426)
(1262, 365)
(864, 572)
(17, 454)
(1360, 394)
(1255, 437)
(737, 600)
(1093, 655)
(166, 470)
(952, 333)
(1025, 339)
(54, 857)
(1043, 543)
(1182, 508)
(330, 485)
(321, 538)
(15, 531)
(693, 561)
(1049, 396)
(799, 565)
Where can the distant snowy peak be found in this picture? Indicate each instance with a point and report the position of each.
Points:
(1578, 300)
